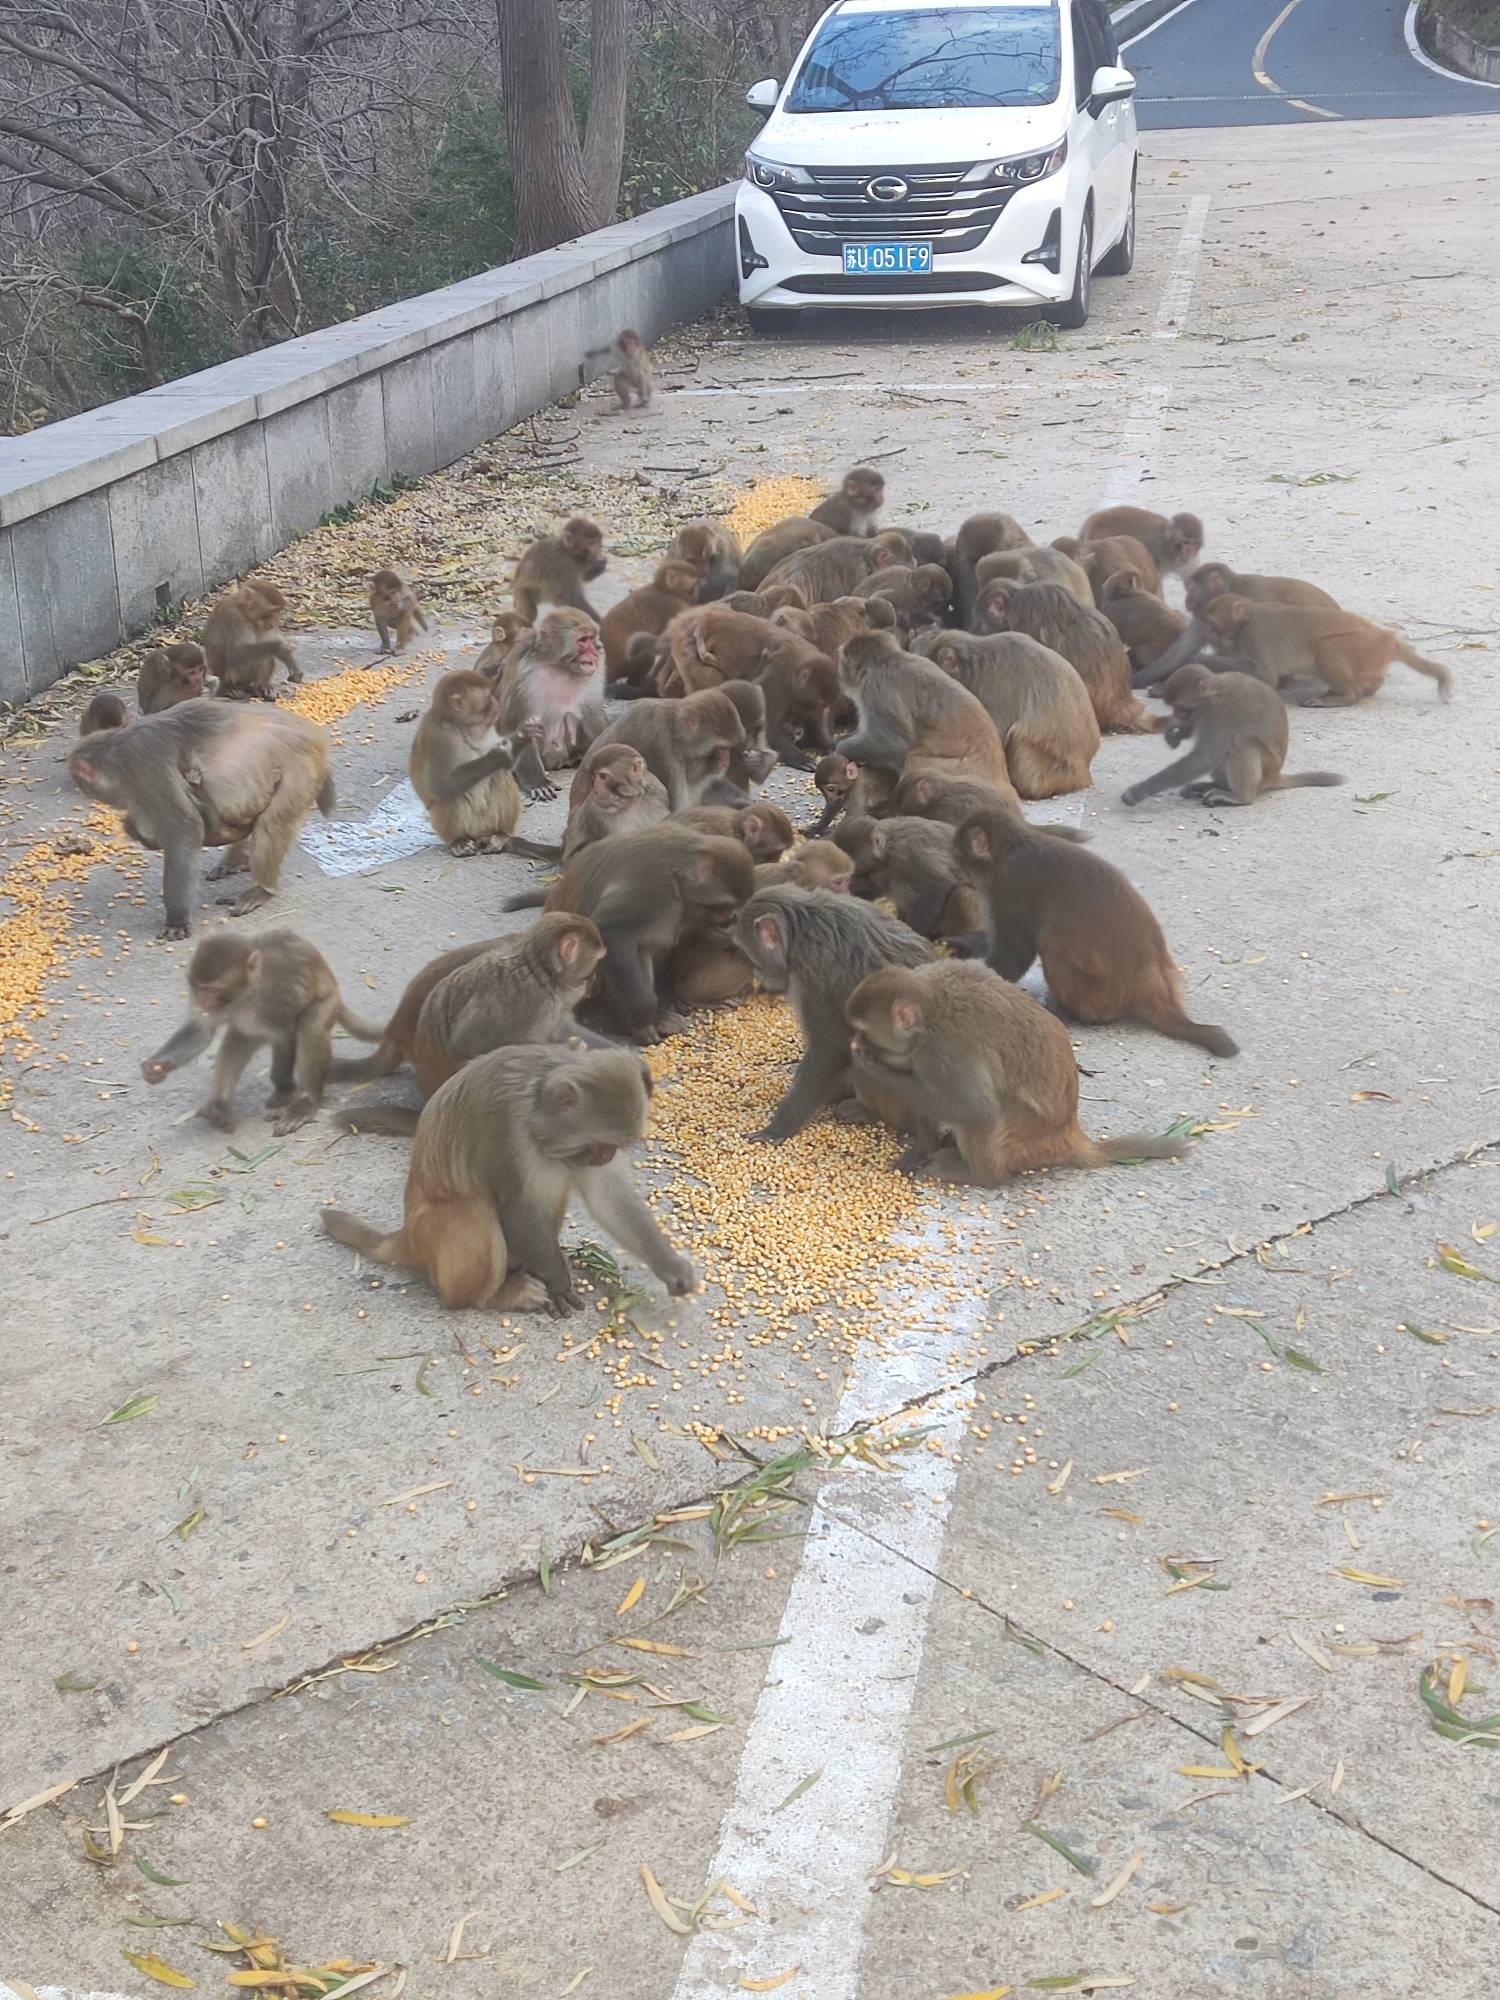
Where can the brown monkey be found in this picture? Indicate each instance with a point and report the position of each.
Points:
(506, 631)
(753, 603)
(686, 744)
(498, 1153)
(785, 597)
(630, 359)
(711, 644)
(1350, 655)
(1035, 700)
(1035, 566)
(962, 1052)
(910, 862)
(645, 891)
(1085, 639)
(1101, 949)
(555, 677)
(1240, 731)
(514, 989)
(914, 717)
(981, 535)
(753, 760)
(815, 864)
(816, 948)
(861, 791)
(242, 641)
(105, 711)
(275, 988)
(927, 547)
(763, 828)
(204, 774)
(714, 553)
(170, 674)
(832, 569)
(396, 609)
(772, 545)
(555, 569)
(1148, 628)
(1216, 579)
(461, 767)
(622, 797)
(918, 596)
(1100, 560)
(953, 800)
(855, 508)
(829, 625)
(649, 609)
(1173, 544)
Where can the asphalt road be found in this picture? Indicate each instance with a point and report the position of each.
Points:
(1262, 62)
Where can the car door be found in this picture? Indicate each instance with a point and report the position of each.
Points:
(1116, 130)
(1090, 134)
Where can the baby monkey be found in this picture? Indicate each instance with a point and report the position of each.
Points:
(394, 607)
(631, 361)
(275, 988)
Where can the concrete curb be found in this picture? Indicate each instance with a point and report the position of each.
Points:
(1454, 46)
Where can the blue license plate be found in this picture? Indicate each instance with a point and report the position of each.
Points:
(872, 260)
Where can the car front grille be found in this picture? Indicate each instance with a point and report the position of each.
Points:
(938, 209)
(895, 284)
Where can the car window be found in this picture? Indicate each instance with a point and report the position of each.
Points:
(1086, 56)
(1104, 31)
(929, 58)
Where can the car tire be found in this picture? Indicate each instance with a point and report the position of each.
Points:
(1119, 260)
(1074, 311)
(772, 319)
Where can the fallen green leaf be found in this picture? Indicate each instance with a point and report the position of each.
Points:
(1078, 1861)
(139, 1405)
(508, 1674)
(155, 1875)
(957, 1742)
(798, 1790)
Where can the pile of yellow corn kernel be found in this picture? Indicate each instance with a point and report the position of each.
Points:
(771, 501)
(329, 700)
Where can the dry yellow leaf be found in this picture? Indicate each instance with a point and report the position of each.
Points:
(641, 1722)
(657, 1898)
(989, 1993)
(632, 1597)
(1458, 1679)
(342, 1818)
(658, 1646)
(157, 1969)
(1106, 1896)
(1364, 1576)
(1036, 1902)
(1207, 1771)
(769, 1985)
(262, 1638)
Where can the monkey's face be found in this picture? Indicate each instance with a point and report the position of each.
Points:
(680, 579)
(590, 1110)
(1224, 616)
(189, 680)
(1205, 584)
(865, 491)
(883, 1028)
(1184, 537)
(760, 933)
(580, 654)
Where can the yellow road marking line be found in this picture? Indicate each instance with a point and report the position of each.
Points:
(1266, 82)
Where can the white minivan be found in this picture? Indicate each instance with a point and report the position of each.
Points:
(941, 152)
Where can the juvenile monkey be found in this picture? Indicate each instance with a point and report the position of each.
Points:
(631, 361)
(622, 797)
(815, 864)
(650, 610)
(1100, 947)
(918, 596)
(1216, 579)
(554, 677)
(499, 1152)
(461, 766)
(855, 508)
(752, 760)
(765, 829)
(1101, 559)
(1173, 544)
(555, 569)
(242, 641)
(715, 555)
(1036, 701)
(396, 610)
(1085, 639)
(914, 717)
(1240, 736)
(980, 536)
(816, 947)
(274, 989)
(772, 545)
(170, 674)
(962, 1052)
(1035, 566)
(860, 790)
(832, 569)
(105, 711)
(1350, 655)
(829, 625)
(506, 631)
(686, 744)
(1148, 628)
(911, 863)
(953, 800)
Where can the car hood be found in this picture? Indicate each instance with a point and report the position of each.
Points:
(905, 138)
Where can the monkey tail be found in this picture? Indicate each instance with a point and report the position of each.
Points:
(1133, 720)
(354, 1024)
(1141, 1146)
(1432, 668)
(383, 1061)
(528, 899)
(1172, 1021)
(328, 798)
(346, 1228)
(389, 1121)
(1288, 780)
(533, 850)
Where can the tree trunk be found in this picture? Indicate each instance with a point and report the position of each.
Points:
(604, 134)
(546, 160)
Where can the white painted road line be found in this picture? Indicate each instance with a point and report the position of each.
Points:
(1141, 431)
(1141, 34)
(1177, 293)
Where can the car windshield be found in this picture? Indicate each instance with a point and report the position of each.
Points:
(929, 58)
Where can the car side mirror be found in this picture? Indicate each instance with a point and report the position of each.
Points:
(762, 96)
(1111, 85)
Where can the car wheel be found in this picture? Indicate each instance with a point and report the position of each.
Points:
(1122, 256)
(1074, 311)
(771, 319)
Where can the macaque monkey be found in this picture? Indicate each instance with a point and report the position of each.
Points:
(980, 536)
(774, 544)
(754, 603)
(1100, 560)
(395, 608)
(204, 774)
(461, 767)
(686, 744)
(914, 717)
(1350, 655)
(815, 864)
(816, 947)
(1100, 947)
(927, 547)
(105, 711)
(622, 797)
(645, 891)
(1173, 544)
(1034, 566)
(1148, 628)
(861, 791)
(555, 569)
(765, 829)
(506, 633)
(1240, 734)
(714, 553)
(829, 625)
(911, 863)
(1037, 703)
(650, 609)
(499, 1152)
(274, 989)
(521, 988)
(953, 800)
(962, 1052)
(1085, 639)
(798, 682)
(855, 508)
(711, 644)
(630, 359)
(918, 596)
(170, 674)
(1216, 579)
(242, 641)
(753, 760)
(648, 669)
(832, 569)
(554, 677)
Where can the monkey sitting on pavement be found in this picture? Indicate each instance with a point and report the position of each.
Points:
(1240, 733)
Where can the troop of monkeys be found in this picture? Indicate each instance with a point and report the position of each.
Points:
(930, 686)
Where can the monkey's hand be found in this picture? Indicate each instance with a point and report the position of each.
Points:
(154, 1068)
(563, 1299)
(768, 1136)
(293, 1117)
(680, 1278)
(1132, 795)
(542, 794)
(1175, 733)
(174, 933)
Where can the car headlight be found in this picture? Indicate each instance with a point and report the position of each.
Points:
(1021, 172)
(771, 174)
